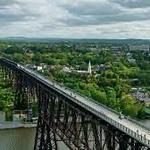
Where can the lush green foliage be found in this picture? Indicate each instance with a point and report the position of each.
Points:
(6, 93)
(110, 87)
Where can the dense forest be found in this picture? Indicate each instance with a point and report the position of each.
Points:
(113, 74)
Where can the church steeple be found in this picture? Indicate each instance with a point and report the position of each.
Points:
(89, 68)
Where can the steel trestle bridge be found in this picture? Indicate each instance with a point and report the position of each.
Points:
(78, 121)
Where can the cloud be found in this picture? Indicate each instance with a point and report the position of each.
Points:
(133, 3)
(106, 19)
(74, 18)
(91, 8)
(13, 11)
(7, 2)
(102, 12)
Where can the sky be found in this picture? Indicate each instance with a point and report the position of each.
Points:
(75, 18)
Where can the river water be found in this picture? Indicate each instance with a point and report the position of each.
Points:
(13, 137)
(20, 139)
(17, 139)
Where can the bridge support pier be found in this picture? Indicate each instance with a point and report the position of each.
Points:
(21, 98)
(45, 134)
(110, 139)
(123, 142)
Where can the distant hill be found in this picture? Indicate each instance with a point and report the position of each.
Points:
(58, 40)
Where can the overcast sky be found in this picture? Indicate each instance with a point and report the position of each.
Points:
(75, 18)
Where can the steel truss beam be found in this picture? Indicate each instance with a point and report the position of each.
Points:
(60, 117)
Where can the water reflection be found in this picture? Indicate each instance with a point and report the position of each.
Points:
(20, 139)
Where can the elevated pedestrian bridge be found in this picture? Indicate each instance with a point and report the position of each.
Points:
(125, 125)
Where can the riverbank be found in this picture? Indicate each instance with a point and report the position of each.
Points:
(15, 125)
